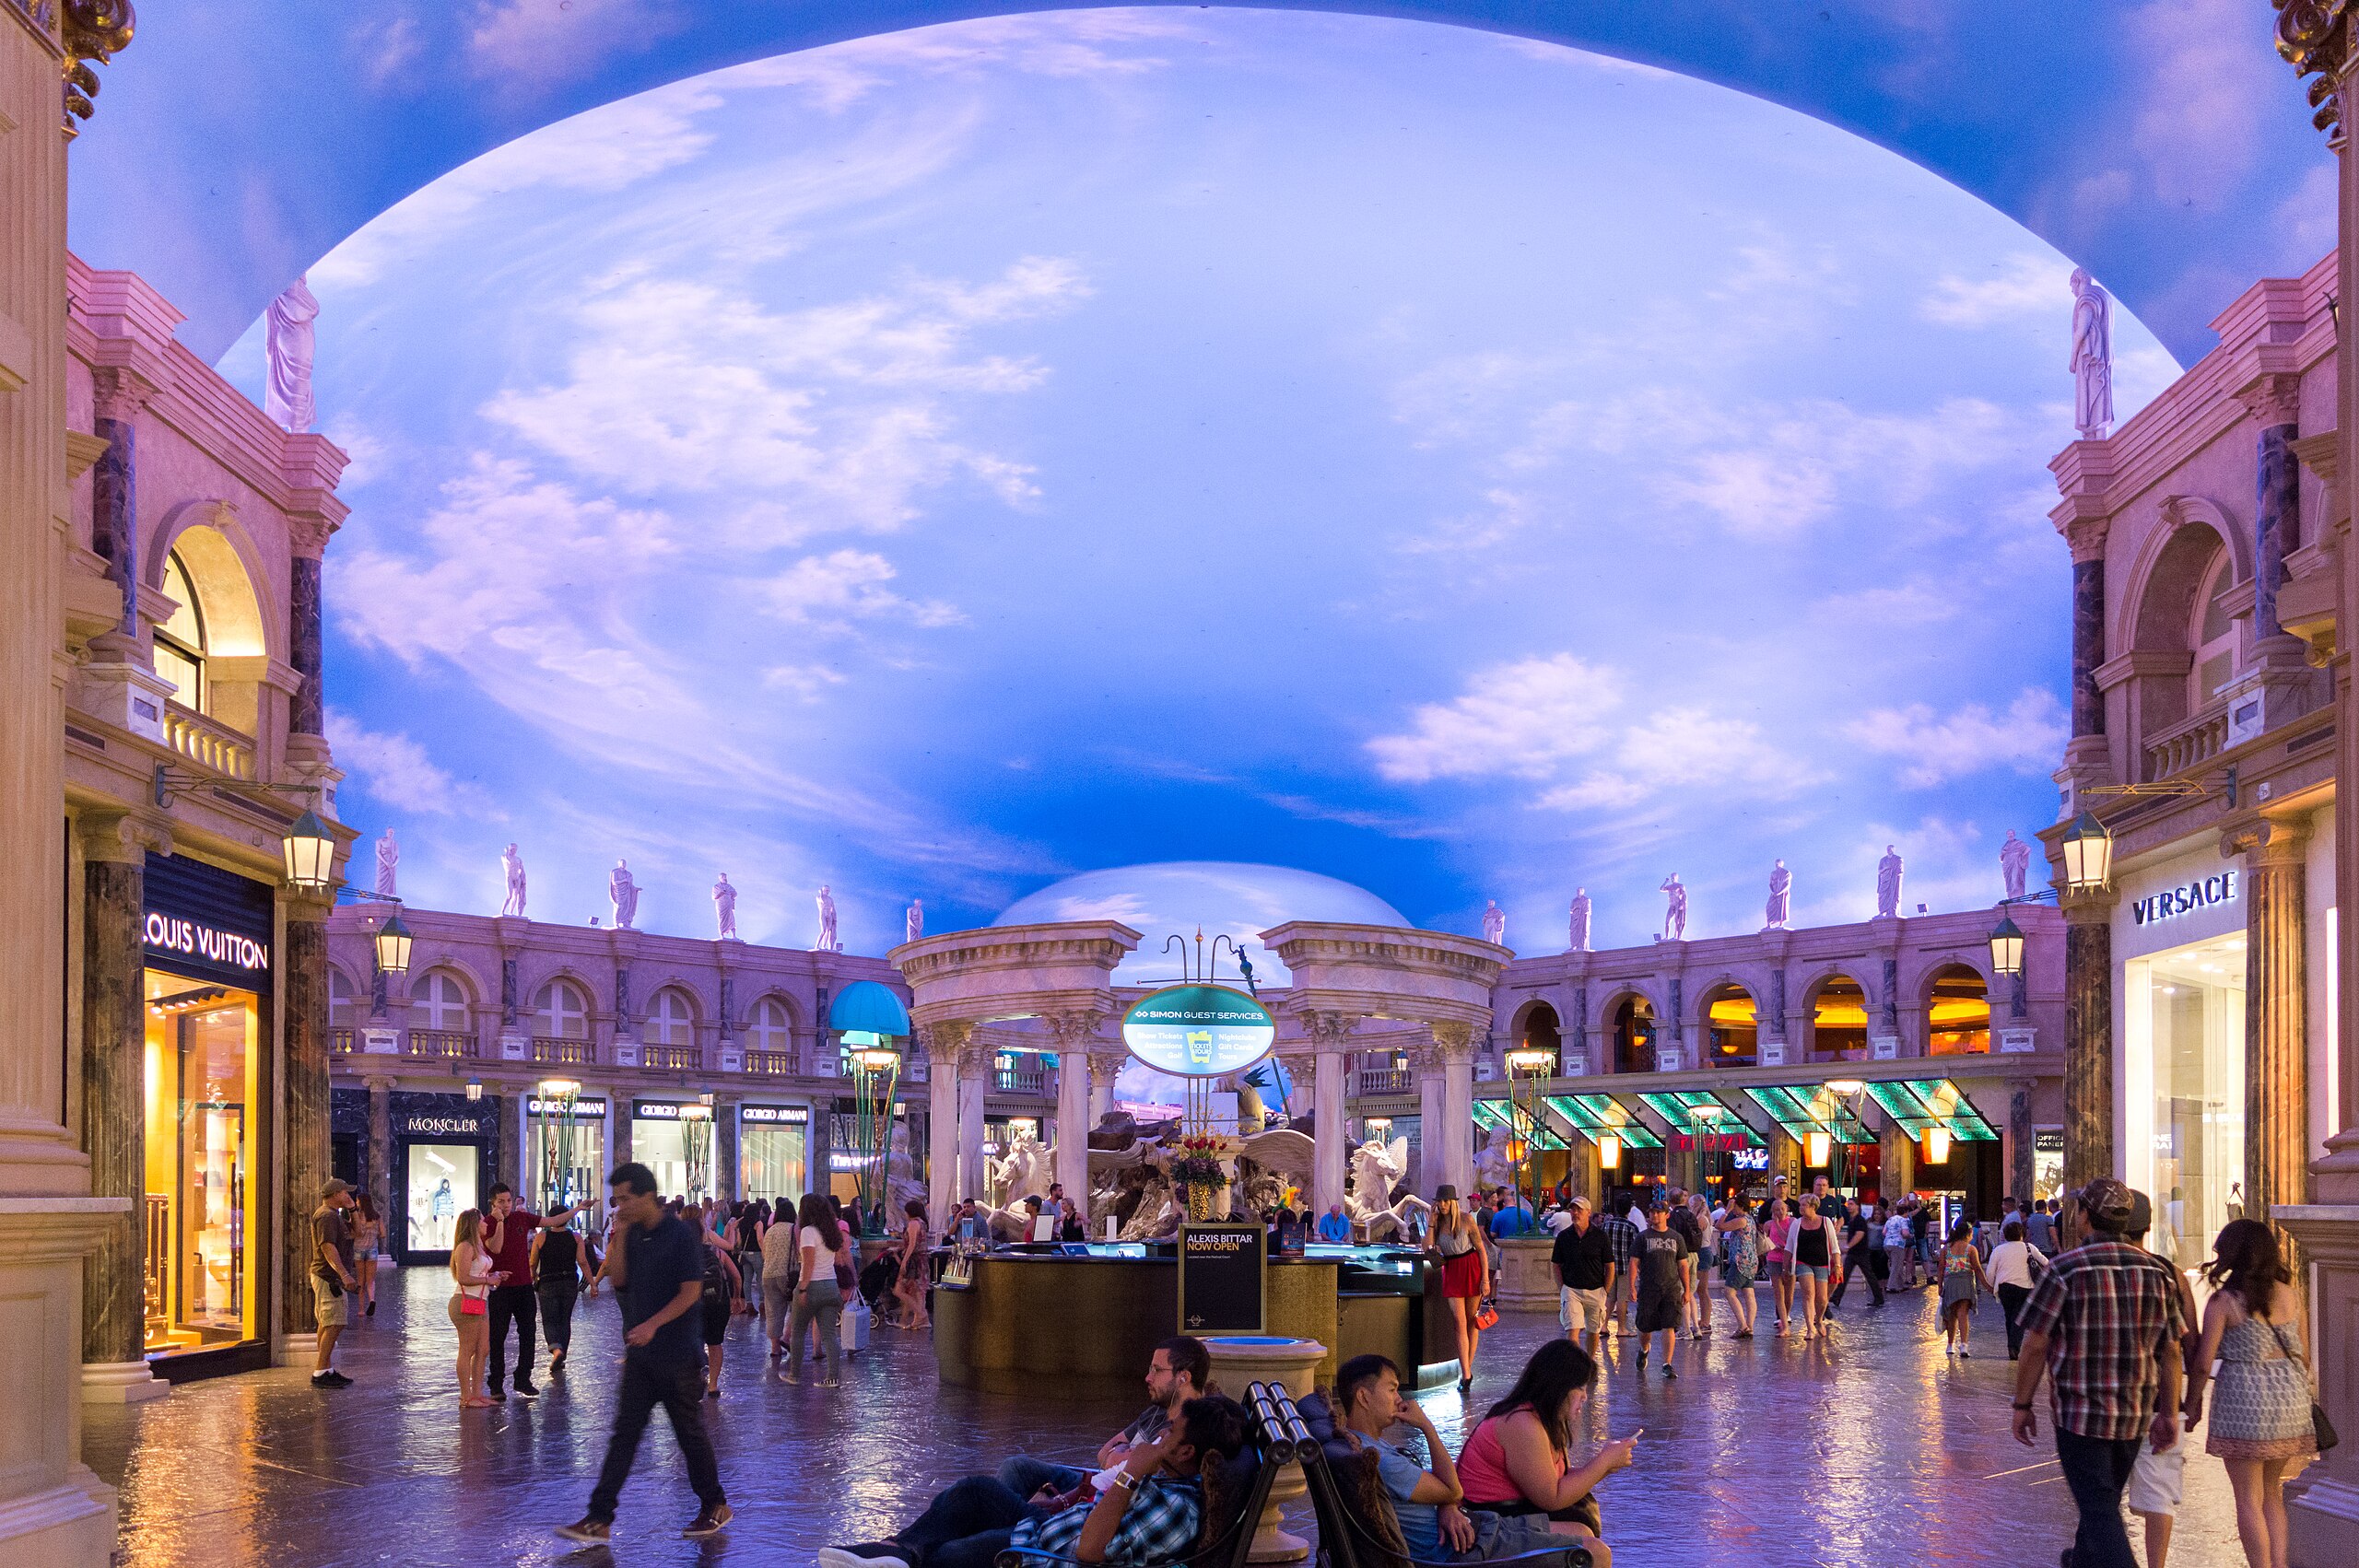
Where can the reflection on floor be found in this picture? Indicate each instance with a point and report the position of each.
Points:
(1878, 1450)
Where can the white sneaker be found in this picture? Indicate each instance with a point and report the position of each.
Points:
(837, 1557)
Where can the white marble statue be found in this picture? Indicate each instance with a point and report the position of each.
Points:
(1494, 924)
(2092, 357)
(1377, 1167)
(512, 866)
(1025, 1171)
(623, 893)
(1675, 914)
(1491, 1166)
(901, 1183)
(1888, 884)
(826, 943)
(724, 907)
(913, 922)
(288, 343)
(1576, 926)
(389, 857)
(1780, 907)
(2014, 863)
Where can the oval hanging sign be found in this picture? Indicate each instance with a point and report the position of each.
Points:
(1198, 1031)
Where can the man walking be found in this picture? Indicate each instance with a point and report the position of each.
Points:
(1583, 1258)
(1661, 1268)
(2107, 1322)
(657, 1264)
(333, 1285)
(508, 1233)
(1624, 1235)
(1860, 1231)
(2039, 1227)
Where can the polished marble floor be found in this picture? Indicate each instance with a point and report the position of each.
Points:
(1876, 1450)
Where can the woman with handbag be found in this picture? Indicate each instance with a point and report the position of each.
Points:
(2264, 1419)
(2014, 1268)
(472, 1271)
(1739, 1263)
(1465, 1276)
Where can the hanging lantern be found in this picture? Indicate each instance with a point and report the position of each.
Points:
(393, 946)
(2088, 854)
(1609, 1153)
(310, 850)
(1937, 1146)
(2007, 948)
(1822, 1147)
(475, 1088)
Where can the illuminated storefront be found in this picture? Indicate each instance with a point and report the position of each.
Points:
(445, 1159)
(565, 1148)
(674, 1138)
(773, 1152)
(208, 949)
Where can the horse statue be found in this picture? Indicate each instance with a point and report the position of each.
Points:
(1376, 1168)
(1023, 1172)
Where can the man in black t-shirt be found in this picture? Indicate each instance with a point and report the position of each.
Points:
(1583, 1258)
(1661, 1268)
(658, 1269)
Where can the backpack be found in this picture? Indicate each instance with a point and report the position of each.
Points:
(716, 1280)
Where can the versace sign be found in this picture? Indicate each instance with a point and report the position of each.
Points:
(2171, 903)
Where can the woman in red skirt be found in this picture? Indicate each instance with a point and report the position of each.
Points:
(1465, 1274)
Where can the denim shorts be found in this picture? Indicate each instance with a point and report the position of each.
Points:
(1816, 1271)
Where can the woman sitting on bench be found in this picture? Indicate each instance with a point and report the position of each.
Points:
(1425, 1503)
(1516, 1461)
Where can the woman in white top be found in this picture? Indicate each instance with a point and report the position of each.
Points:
(472, 1271)
(818, 1297)
(2014, 1268)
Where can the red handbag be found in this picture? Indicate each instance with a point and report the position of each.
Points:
(1488, 1318)
(473, 1307)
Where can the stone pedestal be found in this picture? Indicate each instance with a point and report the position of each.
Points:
(121, 1382)
(1292, 1364)
(515, 1048)
(1883, 1048)
(1526, 1282)
(380, 1042)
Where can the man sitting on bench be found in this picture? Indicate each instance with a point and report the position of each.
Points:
(1427, 1503)
(1179, 1369)
(1151, 1512)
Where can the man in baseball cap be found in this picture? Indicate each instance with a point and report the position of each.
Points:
(332, 1278)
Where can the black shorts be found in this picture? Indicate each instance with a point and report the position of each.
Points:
(1657, 1312)
(716, 1320)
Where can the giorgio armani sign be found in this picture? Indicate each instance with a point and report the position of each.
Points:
(2173, 902)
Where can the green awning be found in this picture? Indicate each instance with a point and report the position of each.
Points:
(1920, 1106)
(1601, 1116)
(1676, 1106)
(1805, 1109)
(1509, 1114)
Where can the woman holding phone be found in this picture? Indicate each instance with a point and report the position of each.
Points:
(1518, 1459)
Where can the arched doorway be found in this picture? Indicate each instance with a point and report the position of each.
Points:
(1634, 1034)
(1957, 1013)
(1732, 1027)
(1539, 1031)
(1839, 1020)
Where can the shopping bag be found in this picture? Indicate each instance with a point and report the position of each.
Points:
(851, 1332)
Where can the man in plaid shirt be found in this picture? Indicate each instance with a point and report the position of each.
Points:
(2106, 1322)
(1625, 1237)
(1154, 1509)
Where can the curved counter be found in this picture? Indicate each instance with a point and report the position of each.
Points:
(1069, 1327)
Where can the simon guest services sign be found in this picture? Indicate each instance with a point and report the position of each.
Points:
(2173, 902)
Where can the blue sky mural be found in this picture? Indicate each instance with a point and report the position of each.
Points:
(941, 462)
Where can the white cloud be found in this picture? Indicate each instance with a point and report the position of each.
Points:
(2210, 86)
(809, 682)
(830, 591)
(544, 40)
(1110, 42)
(2024, 285)
(397, 772)
(1519, 720)
(2028, 737)
(1686, 749)
(365, 451)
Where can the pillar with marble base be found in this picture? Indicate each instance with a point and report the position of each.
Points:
(1239, 1360)
(1431, 1096)
(2088, 1040)
(2277, 1098)
(1454, 1048)
(943, 1043)
(974, 1082)
(1075, 1033)
(302, 1120)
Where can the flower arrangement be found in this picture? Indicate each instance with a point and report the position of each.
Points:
(1196, 1159)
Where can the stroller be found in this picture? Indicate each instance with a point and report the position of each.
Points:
(876, 1283)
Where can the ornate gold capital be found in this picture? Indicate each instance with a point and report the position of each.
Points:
(2315, 37)
(92, 30)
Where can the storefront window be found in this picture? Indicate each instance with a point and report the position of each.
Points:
(772, 1143)
(2184, 1056)
(203, 1044)
(674, 1142)
(565, 1154)
(443, 1179)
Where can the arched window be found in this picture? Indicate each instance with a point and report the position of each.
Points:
(339, 1000)
(1957, 1015)
(560, 1012)
(180, 642)
(1634, 1035)
(1839, 1020)
(1732, 1028)
(1539, 1032)
(669, 1020)
(771, 1028)
(2212, 636)
(439, 1001)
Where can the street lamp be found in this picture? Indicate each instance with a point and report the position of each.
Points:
(1533, 1065)
(1851, 1089)
(309, 850)
(2088, 854)
(393, 945)
(2007, 948)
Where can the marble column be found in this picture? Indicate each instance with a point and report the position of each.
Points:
(2277, 504)
(381, 1146)
(1454, 1046)
(1075, 1033)
(2019, 1135)
(1103, 1072)
(2088, 1040)
(724, 1149)
(974, 1082)
(304, 1140)
(114, 1104)
(508, 1147)
(2088, 631)
(1577, 1043)
(306, 709)
(1329, 1033)
(1431, 1102)
(942, 1049)
(2277, 1089)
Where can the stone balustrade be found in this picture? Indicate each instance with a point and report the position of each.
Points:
(208, 743)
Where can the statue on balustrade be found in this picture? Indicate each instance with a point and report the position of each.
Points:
(288, 345)
(512, 866)
(1674, 914)
(2092, 357)
(913, 923)
(724, 909)
(1888, 884)
(389, 857)
(623, 893)
(1576, 926)
(2014, 864)
(1494, 924)
(1780, 907)
(826, 943)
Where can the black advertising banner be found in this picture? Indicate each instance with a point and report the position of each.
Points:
(1220, 1278)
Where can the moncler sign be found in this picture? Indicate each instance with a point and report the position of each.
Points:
(172, 933)
(2173, 902)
